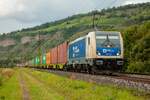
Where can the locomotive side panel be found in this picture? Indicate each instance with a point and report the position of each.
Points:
(77, 51)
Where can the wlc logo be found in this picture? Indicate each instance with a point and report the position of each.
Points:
(107, 50)
(76, 49)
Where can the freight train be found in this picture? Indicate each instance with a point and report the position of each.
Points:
(97, 51)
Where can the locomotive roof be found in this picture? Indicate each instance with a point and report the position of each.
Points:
(97, 32)
(107, 32)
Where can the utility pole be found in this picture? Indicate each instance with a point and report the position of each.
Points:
(24, 55)
(94, 14)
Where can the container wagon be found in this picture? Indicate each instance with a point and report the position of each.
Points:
(62, 55)
(59, 56)
(48, 59)
(54, 57)
(37, 61)
(43, 60)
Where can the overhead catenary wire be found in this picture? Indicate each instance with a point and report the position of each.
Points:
(96, 13)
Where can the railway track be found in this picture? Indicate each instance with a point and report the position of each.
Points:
(134, 79)
(139, 82)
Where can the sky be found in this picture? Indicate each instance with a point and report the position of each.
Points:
(18, 14)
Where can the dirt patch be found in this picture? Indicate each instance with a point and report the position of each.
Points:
(24, 88)
(7, 73)
(7, 42)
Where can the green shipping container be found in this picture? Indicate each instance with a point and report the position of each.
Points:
(44, 59)
(37, 60)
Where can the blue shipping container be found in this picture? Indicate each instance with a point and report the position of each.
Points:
(77, 49)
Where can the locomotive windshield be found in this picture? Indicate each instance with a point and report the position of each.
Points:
(108, 44)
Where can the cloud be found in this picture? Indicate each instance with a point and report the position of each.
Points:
(17, 14)
(135, 1)
(41, 10)
(13, 25)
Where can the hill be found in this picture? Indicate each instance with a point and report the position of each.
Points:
(132, 20)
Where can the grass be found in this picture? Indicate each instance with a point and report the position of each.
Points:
(47, 86)
(40, 91)
(5, 74)
(10, 89)
(1, 78)
(79, 90)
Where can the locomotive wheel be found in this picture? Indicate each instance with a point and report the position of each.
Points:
(89, 70)
(65, 68)
(94, 70)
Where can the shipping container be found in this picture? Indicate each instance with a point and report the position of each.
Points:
(62, 53)
(43, 59)
(48, 58)
(54, 55)
(37, 60)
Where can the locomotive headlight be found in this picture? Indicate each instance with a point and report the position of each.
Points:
(118, 54)
(98, 53)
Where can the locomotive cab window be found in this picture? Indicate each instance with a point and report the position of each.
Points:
(88, 40)
(108, 44)
(105, 39)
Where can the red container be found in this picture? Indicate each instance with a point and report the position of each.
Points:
(54, 55)
(48, 58)
(62, 53)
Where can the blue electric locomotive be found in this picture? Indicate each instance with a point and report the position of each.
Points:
(98, 50)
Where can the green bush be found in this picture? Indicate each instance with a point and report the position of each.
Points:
(136, 67)
(147, 66)
(139, 67)
(137, 48)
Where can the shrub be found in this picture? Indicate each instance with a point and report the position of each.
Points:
(147, 66)
(136, 67)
